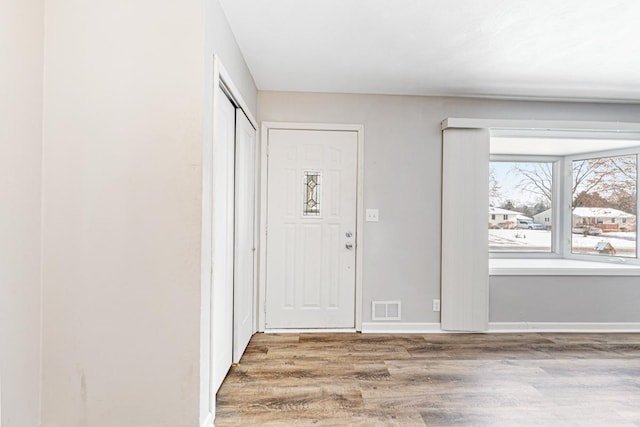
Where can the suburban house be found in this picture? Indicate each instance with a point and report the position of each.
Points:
(544, 217)
(182, 179)
(606, 219)
(504, 218)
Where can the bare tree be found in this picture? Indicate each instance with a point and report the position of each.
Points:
(605, 175)
(494, 187)
(536, 179)
(611, 178)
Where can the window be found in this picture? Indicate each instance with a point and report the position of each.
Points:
(561, 142)
(604, 197)
(522, 192)
(311, 194)
(581, 206)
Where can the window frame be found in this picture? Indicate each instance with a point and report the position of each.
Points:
(557, 165)
(568, 203)
(561, 206)
(537, 128)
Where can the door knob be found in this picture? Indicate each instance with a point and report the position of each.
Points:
(349, 246)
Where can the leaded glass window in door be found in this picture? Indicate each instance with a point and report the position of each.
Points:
(311, 196)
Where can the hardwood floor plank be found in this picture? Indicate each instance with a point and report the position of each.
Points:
(434, 380)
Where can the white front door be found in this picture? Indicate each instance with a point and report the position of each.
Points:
(311, 227)
(243, 272)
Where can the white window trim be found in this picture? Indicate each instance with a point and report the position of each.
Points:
(555, 223)
(558, 267)
(561, 239)
(555, 128)
(567, 202)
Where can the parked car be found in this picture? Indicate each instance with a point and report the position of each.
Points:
(530, 225)
(590, 231)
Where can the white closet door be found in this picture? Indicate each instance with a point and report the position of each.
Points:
(223, 211)
(465, 256)
(243, 288)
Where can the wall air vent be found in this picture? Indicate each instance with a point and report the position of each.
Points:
(385, 310)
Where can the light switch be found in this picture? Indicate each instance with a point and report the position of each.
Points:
(372, 215)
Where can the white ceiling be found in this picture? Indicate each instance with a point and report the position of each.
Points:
(533, 49)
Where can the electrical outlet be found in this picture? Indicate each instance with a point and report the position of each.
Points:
(436, 305)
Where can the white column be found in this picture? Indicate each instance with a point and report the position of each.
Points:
(465, 257)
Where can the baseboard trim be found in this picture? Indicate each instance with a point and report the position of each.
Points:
(309, 331)
(400, 328)
(575, 327)
(494, 327)
(208, 421)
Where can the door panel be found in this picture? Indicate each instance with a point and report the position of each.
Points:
(311, 225)
(222, 264)
(244, 233)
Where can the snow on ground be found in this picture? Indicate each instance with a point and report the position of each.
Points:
(520, 240)
(626, 235)
(585, 245)
(540, 241)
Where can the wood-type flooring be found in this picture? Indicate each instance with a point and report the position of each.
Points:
(434, 380)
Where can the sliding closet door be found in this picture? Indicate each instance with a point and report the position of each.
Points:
(465, 256)
(243, 275)
(223, 231)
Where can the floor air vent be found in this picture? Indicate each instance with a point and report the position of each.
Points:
(385, 310)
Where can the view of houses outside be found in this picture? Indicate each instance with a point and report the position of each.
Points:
(604, 206)
(604, 195)
(514, 203)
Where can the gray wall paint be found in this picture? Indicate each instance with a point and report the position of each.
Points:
(402, 177)
(564, 299)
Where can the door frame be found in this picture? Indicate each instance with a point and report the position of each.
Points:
(220, 76)
(262, 241)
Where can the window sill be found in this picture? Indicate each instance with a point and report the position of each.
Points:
(558, 267)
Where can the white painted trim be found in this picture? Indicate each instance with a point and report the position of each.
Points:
(401, 328)
(313, 126)
(494, 327)
(576, 327)
(568, 217)
(208, 421)
(539, 125)
(360, 213)
(262, 246)
(606, 271)
(220, 74)
(262, 239)
(311, 331)
(558, 267)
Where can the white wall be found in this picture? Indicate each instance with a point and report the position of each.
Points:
(123, 134)
(403, 149)
(21, 47)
